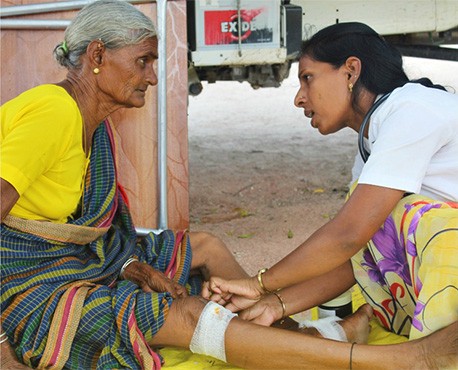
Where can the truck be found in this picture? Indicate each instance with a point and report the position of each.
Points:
(256, 41)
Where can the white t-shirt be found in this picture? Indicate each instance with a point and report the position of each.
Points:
(413, 143)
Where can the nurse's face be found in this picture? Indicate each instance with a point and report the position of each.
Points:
(324, 95)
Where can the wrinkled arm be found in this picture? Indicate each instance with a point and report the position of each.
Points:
(9, 197)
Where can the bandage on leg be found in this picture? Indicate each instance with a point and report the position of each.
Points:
(328, 327)
(208, 337)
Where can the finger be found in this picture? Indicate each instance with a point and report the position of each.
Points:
(215, 288)
(182, 292)
(146, 288)
(206, 293)
(226, 297)
(232, 307)
(215, 298)
(222, 302)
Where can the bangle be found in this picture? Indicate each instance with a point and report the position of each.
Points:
(351, 355)
(3, 337)
(127, 263)
(261, 284)
(283, 306)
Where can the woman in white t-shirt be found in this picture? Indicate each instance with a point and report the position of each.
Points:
(397, 234)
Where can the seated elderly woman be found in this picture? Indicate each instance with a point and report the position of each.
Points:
(78, 288)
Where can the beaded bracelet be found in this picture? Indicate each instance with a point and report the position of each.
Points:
(3, 337)
(127, 263)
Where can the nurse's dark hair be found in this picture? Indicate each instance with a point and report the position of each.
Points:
(381, 63)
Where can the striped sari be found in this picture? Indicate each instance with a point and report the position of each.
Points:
(408, 272)
(62, 303)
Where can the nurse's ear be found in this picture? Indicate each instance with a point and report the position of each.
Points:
(352, 68)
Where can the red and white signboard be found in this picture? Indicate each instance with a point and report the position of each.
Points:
(222, 26)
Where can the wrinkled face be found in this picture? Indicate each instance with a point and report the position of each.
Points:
(324, 95)
(127, 73)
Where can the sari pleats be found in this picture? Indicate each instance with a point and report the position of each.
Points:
(63, 305)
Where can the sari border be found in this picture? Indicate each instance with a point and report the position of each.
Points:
(64, 233)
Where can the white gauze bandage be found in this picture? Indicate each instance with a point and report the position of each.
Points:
(328, 327)
(208, 337)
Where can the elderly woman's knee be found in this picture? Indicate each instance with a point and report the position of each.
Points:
(204, 242)
(187, 310)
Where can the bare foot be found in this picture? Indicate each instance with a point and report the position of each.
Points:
(356, 326)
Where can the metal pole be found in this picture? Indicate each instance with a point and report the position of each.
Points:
(14, 10)
(162, 111)
(162, 75)
(34, 24)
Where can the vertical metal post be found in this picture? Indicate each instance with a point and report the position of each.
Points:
(239, 27)
(162, 112)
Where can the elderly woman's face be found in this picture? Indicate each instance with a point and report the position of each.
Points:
(128, 72)
(324, 95)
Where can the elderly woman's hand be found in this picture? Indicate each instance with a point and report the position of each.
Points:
(151, 280)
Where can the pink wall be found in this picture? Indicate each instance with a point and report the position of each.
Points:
(26, 61)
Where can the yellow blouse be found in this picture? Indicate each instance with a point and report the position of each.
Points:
(42, 153)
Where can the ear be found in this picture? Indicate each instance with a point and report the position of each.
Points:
(95, 51)
(353, 69)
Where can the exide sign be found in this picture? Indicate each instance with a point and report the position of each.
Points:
(231, 28)
(222, 27)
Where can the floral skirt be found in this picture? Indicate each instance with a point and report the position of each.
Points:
(408, 272)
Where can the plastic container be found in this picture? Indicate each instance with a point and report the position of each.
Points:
(340, 306)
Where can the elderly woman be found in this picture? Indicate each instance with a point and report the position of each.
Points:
(78, 289)
(396, 235)
(73, 282)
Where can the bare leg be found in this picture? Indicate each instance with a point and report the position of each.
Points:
(356, 326)
(254, 346)
(9, 361)
(211, 257)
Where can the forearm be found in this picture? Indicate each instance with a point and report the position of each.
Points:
(337, 241)
(321, 254)
(9, 197)
(313, 292)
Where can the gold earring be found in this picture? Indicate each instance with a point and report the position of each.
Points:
(350, 87)
(96, 71)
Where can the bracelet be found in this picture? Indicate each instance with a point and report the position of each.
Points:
(3, 337)
(283, 306)
(351, 355)
(127, 263)
(264, 289)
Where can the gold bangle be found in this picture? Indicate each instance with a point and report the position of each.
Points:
(283, 306)
(260, 272)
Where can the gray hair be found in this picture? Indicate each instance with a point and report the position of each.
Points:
(115, 22)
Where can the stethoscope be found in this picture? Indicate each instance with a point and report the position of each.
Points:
(362, 150)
